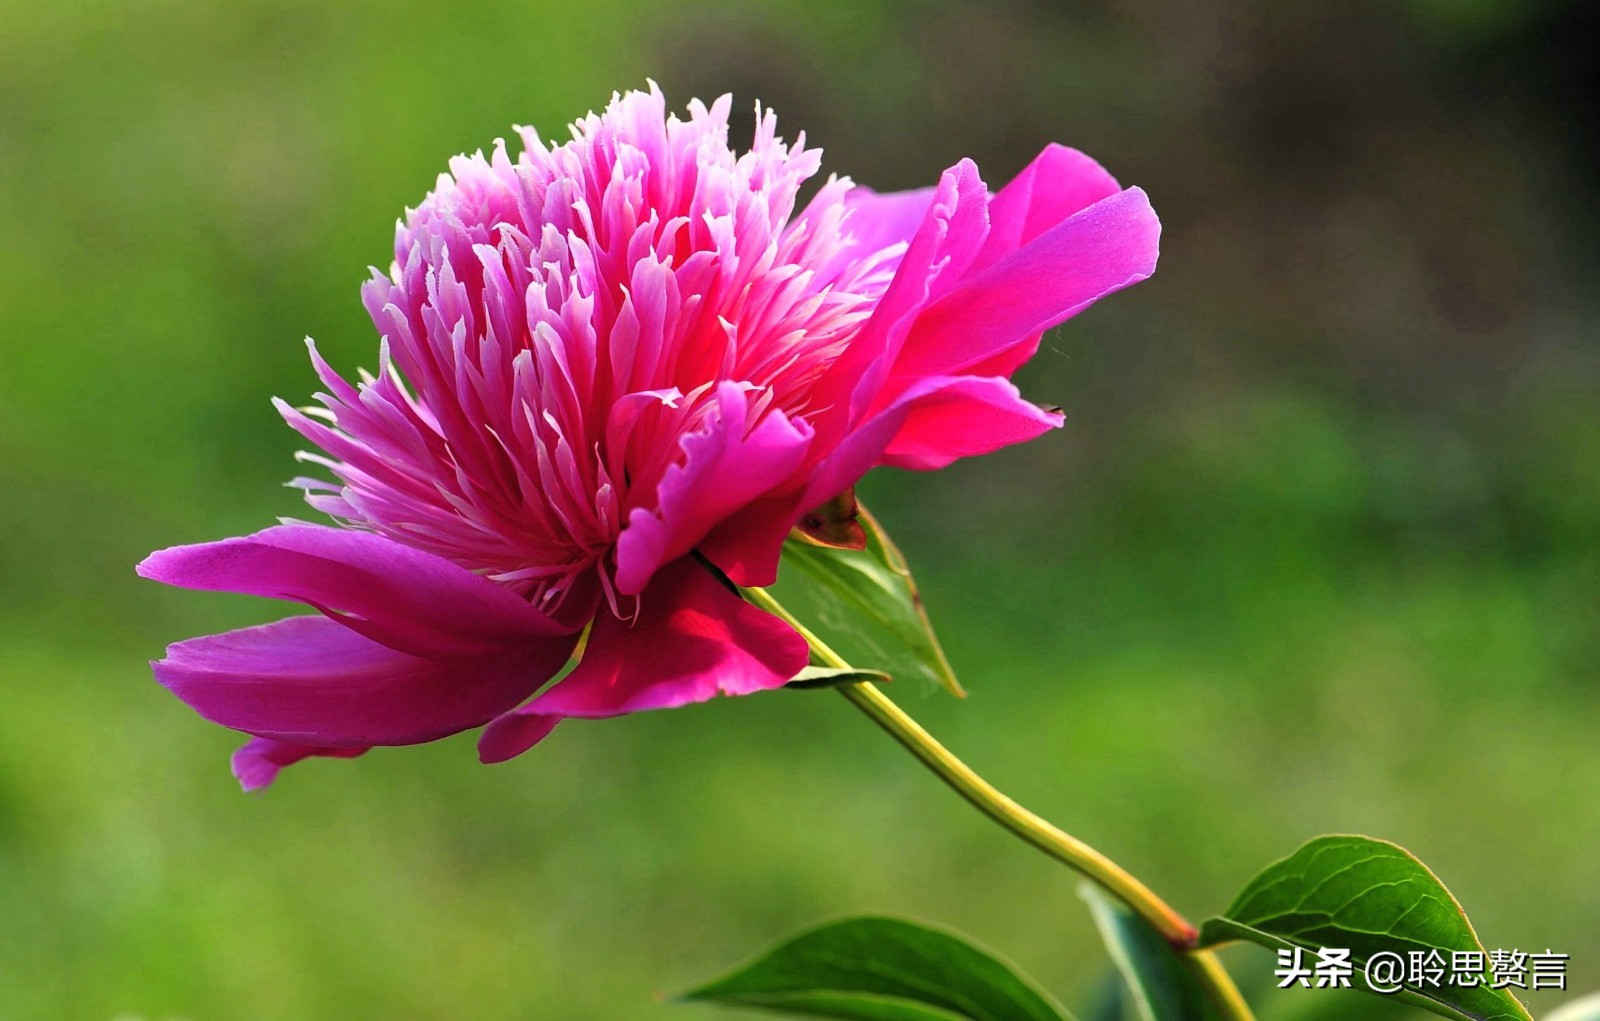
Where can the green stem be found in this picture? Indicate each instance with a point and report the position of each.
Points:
(1033, 829)
(1041, 834)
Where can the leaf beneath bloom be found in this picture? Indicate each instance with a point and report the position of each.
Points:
(882, 969)
(864, 603)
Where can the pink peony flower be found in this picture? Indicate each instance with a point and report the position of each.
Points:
(603, 365)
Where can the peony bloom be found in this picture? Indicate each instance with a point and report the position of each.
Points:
(604, 365)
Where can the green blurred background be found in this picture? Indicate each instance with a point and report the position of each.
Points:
(1317, 550)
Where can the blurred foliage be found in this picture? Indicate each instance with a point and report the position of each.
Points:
(1319, 549)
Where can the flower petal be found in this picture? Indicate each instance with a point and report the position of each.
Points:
(258, 762)
(402, 597)
(693, 639)
(1104, 248)
(748, 546)
(855, 455)
(1059, 182)
(308, 681)
(879, 219)
(953, 417)
(732, 461)
(953, 228)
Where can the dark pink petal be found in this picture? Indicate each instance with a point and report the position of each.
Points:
(1059, 182)
(308, 681)
(1101, 249)
(401, 597)
(855, 455)
(257, 764)
(950, 418)
(748, 546)
(734, 459)
(693, 639)
(513, 733)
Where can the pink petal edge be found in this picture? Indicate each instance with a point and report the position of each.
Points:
(693, 640)
(308, 681)
(257, 763)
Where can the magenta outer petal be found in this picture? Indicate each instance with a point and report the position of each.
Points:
(727, 465)
(513, 733)
(309, 681)
(401, 597)
(954, 226)
(693, 640)
(1059, 182)
(857, 454)
(950, 418)
(1104, 248)
(748, 546)
(257, 764)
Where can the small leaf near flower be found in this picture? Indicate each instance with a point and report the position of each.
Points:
(865, 604)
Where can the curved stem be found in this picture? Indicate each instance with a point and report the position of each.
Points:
(1218, 984)
(1033, 829)
(1041, 834)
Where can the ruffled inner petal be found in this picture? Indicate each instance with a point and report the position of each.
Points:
(953, 228)
(737, 456)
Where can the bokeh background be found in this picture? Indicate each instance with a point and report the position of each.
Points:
(1319, 549)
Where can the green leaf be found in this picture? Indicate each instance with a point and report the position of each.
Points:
(1371, 897)
(883, 969)
(832, 677)
(864, 603)
(1162, 986)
